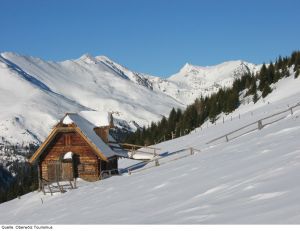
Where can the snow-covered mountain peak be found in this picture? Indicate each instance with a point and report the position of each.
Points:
(189, 70)
(186, 67)
(193, 81)
(87, 58)
(103, 58)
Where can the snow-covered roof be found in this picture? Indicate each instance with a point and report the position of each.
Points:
(98, 118)
(67, 120)
(117, 147)
(87, 129)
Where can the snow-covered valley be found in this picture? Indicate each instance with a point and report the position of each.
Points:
(250, 179)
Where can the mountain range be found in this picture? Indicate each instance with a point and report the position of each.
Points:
(233, 171)
(36, 93)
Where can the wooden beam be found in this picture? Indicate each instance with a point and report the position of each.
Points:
(139, 146)
(39, 177)
(43, 146)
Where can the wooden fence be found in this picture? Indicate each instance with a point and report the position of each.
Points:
(156, 160)
(257, 125)
(134, 149)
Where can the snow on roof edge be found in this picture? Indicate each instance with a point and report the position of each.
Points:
(87, 128)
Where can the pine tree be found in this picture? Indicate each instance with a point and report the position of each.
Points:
(297, 73)
(263, 77)
(294, 59)
(279, 63)
(248, 83)
(172, 121)
(271, 73)
(253, 87)
(255, 97)
(297, 61)
(276, 76)
(267, 90)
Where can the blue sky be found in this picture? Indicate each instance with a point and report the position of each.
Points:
(152, 36)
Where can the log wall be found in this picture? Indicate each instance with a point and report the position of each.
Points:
(86, 162)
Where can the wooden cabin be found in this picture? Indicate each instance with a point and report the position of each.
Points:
(76, 148)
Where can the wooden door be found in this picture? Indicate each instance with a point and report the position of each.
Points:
(67, 172)
(53, 171)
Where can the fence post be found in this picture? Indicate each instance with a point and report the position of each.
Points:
(129, 172)
(291, 111)
(259, 123)
(191, 151)
(156, 162)
(173, 135)
(226, 138)
(39, 177)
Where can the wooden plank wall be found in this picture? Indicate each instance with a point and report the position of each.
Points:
(87, 160)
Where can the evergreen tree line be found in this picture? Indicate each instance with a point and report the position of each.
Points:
(25, 180)
(21, 178)
(181, 122)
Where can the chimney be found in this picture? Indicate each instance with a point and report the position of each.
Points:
(111, 120)
(103, 131)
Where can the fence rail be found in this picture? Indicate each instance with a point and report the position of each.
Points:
(108, 173)
(157, 159)
(260, 124)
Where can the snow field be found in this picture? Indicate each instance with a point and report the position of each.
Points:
(249, 180)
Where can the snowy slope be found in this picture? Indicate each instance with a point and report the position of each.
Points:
(193, 81)
(123, 71)
(36, 93)
(28, 107)
(251, 179)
